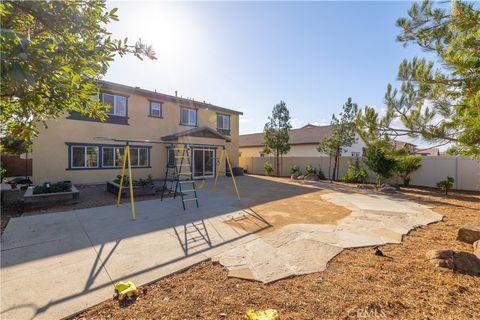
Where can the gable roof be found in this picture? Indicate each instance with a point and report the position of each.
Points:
(163, 97)
(203, 132)
(309, 134)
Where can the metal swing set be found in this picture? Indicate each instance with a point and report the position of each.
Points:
(182, 170)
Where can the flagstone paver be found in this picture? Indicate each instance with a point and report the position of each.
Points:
(306, 248)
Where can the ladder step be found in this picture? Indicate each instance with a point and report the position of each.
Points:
(181, 149)
(185, 181)
(183, 165)
(182, 157)
(185, 173)
(190, 199)
(189, 190)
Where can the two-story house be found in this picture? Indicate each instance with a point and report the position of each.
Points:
(303, 143)
(68, 149)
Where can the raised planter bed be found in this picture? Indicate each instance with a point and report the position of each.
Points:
(41, 200)
(137, 190)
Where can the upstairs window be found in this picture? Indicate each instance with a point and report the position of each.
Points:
(118, 104)
(188, 116)
(155, 109)
(223, 124)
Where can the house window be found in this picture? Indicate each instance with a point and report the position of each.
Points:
(118, 104)
(155, 109)
(139, 157)
(223, 124)
(84, 157)
(113, 157)
(355, 154)
(188, 116)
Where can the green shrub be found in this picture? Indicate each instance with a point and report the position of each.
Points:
(310, 169)
(294, 169)
(53, 188)
(268, 168)
(446, 184)
(379, 160)
(3, 172)
(355, 173)
(321, 176)
(146, 182)
(126, 180)
(406, 165)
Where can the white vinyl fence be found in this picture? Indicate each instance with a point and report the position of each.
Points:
(465, 171)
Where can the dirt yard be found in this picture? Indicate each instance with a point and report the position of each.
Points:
(357, 284)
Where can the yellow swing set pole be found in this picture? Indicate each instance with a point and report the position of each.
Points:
(233, 176)
(126, 157)
(225, 153)
(218, 170)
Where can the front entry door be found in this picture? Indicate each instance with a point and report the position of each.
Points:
(203, 163)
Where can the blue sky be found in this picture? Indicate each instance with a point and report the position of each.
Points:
(248, 56)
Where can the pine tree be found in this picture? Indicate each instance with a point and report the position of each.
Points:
(440, 105)
(343, 134)
(276, 133)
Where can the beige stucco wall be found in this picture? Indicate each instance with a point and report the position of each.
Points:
(50, 153)
(465, 171)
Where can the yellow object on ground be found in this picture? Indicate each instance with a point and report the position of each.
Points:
(269, 314)
(125, 289)
(202, 184)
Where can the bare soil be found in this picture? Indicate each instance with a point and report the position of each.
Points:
(357, 284)
(306, 208)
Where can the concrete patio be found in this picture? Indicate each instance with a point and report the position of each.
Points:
(54, 265)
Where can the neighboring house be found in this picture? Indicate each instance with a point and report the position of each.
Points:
(68, 148)
(414, 150)
(430, 152)
(303, 143)
(409, 148)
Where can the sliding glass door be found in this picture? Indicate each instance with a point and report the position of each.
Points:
(203, 163)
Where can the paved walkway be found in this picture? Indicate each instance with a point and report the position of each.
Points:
(305, 248)
(54, 265)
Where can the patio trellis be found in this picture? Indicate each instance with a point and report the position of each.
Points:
(128, 166)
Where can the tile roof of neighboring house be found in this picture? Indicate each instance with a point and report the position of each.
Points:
(428, 152)
(162, 96)
(309, 134)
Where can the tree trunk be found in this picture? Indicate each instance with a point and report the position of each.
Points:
(276, 162)
(335, 166)
(338, 165)
(329, 168)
